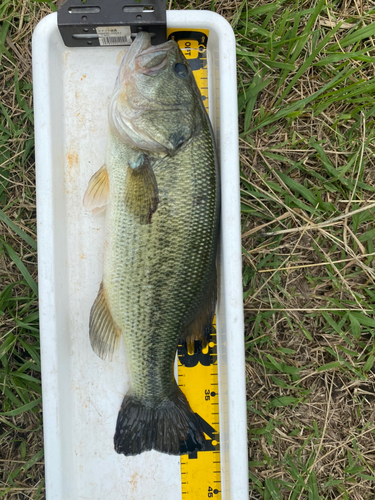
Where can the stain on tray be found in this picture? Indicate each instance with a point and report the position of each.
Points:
(72, 166)
(134, 480)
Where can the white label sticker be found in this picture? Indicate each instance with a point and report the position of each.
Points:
(114, 35)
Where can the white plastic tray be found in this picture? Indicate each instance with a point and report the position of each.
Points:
(81, 393)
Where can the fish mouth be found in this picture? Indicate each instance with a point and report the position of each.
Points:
(141, 42)
(128, 100)
(154, 59)
(144, 57)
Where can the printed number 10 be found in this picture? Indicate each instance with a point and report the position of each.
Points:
(187, 46)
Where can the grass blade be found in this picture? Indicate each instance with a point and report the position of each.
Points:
(26, 238)
(22, 409)
(22, 268)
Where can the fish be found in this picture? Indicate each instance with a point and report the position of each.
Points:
(161, 192)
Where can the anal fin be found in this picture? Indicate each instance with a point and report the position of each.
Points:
(104, 334)
(200, 327)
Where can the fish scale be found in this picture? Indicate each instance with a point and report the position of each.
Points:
(159, 280)
(180, 250)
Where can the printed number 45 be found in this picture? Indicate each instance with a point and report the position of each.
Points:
(210, 492)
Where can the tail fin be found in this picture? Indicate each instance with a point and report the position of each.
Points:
(170, 427)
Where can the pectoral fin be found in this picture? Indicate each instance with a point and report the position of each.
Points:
(97, 192)
(141, 190)
(104, 334)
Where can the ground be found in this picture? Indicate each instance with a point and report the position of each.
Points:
(306, 115)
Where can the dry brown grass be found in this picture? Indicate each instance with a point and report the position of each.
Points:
(21, 436)
(308, 253)
(308, 261)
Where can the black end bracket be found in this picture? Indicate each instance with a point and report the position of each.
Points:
(93, 23)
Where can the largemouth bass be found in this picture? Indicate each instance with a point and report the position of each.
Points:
(160, 188)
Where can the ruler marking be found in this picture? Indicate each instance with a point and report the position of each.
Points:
(201, 470)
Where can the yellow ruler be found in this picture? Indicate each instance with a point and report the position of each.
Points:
(198, 379)
(193, 44)
(197, 368)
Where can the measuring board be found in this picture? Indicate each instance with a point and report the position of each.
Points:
(197, 367)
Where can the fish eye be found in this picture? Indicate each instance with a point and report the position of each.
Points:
(181, 70)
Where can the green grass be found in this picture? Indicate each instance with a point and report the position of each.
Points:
(21, 439)
(306, 81)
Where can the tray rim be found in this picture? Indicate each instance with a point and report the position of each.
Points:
(231, 248)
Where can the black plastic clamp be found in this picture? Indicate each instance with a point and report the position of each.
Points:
(93, 23)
